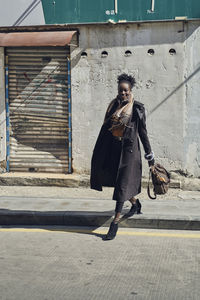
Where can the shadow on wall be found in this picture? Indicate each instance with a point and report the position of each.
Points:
(83, 55)
(175, 90)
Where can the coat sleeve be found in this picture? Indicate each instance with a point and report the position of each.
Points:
(142, 130)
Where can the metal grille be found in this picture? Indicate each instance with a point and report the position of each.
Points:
(38, 109)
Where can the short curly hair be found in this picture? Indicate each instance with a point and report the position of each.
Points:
(128, 78)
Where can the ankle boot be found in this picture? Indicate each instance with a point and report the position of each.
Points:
(111, 232)
(135, 208)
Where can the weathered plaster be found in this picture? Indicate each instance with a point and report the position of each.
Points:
(159, 86)
(2, 110)
(192, 105)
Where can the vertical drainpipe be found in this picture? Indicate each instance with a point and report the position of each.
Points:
(7, 120)
(69, 117)
(152, 5)
(116, 7)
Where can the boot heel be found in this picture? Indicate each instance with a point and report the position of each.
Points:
(111, 232)
(139, 206)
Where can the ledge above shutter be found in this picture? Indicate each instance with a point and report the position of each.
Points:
(47, 38)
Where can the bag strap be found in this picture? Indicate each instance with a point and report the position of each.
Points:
(148, 188)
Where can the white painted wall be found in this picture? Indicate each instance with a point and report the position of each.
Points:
(2, 112)
(159, 86)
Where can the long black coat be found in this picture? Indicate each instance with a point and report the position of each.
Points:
(117, 163)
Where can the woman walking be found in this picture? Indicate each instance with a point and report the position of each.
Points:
(116, 160)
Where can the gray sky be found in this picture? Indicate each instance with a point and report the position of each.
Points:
(13, 10)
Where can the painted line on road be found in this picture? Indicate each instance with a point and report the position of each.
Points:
(120, 232)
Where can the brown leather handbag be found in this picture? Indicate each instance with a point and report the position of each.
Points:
(160, 180)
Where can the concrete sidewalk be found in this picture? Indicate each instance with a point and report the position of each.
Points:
(38, 206)
(82, 180)
(59, 180)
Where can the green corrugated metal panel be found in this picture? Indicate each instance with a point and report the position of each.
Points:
(92, 11)
(76, 11)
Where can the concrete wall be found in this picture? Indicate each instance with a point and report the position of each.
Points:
(192, 109)
(167, 84)
(2, 113)
(172, 117)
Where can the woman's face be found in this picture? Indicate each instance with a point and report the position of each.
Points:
(124, 90)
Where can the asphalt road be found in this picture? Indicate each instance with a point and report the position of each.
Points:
(67, 263)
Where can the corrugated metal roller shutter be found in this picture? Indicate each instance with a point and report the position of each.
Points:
(38, 105)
